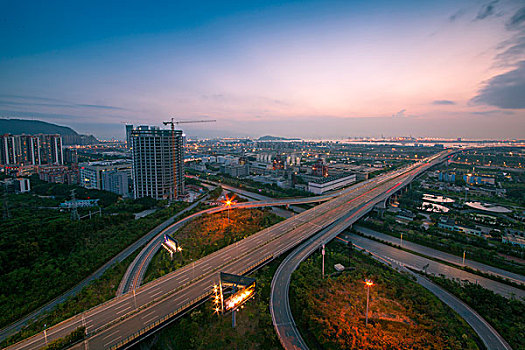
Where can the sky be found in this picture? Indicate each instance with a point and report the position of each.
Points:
(310, 69)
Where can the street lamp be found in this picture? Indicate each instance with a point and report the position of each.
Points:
(228, 205)
(323, 252)
(45, 333)
(368, 284)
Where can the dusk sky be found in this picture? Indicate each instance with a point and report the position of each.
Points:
(312, 69)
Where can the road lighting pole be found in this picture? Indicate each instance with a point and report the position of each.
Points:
(134, 298)
(45, 333)
(401, 239)
(464, 257)
(323, 252)
(368, 284)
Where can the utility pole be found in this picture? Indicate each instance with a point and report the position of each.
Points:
(368, 284)
(323, 252)
(74, 210)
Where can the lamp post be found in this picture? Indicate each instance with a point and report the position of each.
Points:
(45, 333)
(368, 284)
(228, 204)
(401, 239)
(323, 252)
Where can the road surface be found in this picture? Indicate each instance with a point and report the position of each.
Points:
(282, 317)
(434, 253)
(434, 267)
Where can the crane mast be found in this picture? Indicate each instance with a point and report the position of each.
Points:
(172, 122)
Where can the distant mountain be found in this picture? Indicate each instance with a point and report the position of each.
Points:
(31, 127)
(275, 138)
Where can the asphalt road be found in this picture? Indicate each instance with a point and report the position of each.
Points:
(122, 317)
(434, 253)
(490, 337)
(282, 317)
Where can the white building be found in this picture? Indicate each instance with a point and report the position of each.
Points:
(158, 161)
(116, 181)
(91, 174)
(332, 183)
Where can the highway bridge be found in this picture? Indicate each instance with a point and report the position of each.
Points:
(123, 320)
(135, 273)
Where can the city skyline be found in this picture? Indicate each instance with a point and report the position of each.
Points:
(311, 70)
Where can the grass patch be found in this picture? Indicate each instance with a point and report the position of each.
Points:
(330, 312)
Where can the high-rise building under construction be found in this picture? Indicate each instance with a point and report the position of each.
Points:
(158, 159)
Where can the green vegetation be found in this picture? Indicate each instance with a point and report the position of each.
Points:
(209, 233)
(330, 312)
(67, 341)
(486, 248)
(507, 316)
(203, 329)
(97, 292)
(43, 253)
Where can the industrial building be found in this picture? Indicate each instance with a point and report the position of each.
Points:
(158, 159)
(327, 184)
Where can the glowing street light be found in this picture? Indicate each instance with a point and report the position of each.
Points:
(228, 203)
(368, 284)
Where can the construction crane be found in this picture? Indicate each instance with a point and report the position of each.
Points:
(173, 122)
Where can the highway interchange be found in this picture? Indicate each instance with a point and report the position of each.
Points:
(282, 317)
(119, 321)
(279, 298)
